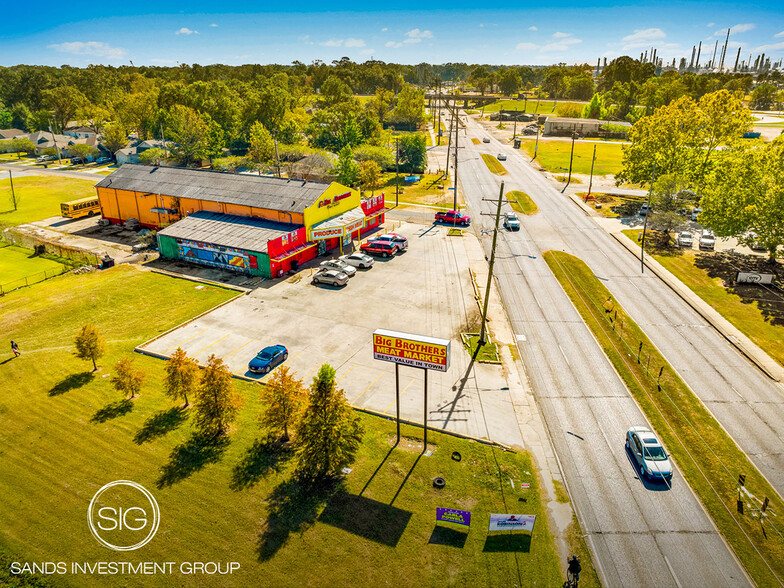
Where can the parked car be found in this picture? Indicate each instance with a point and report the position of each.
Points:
(501, 157)
(756, 244)
(651, 458)
(268, 359)
(485, 139)
(103, 160)
(685, 239)
(77, 161)
(382, 248)
(339, 265)
(707, 240)
(358, 259)
(453, 217)
(397, 239)
(332, 277)
(46, 158)
(645, 209)
(511, 222)
(695, 213)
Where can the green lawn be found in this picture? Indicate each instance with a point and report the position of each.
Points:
(17, 263)
(743, 312)
(544, 107)
(488, 353)
(39, 197)
(425, 191)
(522, 202)
(493, 164)
(705, 454)
(65, 433)
(554, 156)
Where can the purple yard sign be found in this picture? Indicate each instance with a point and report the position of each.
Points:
(452, 515)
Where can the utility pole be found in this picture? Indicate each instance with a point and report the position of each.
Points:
(277, 157)
(536, 146)
(514, 132)
(56, 148)
(571, 159)
(449, 144)
(13, 194)
(645, 224)
(440, 105)
(590, 182)
(490, 269)
(397, 170)
(457, 135)
(163, 138)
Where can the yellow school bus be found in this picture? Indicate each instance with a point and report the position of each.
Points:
(80, 208)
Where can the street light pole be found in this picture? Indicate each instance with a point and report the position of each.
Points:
(457, 134)
(590, 182)
(13, 194)
(571, 158)
(397, 170)
(490, 269)
(645, 224)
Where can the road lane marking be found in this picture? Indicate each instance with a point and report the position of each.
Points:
(345, 373)
(564, 354)
(238, 348)
(401, 394)
(211, 344)
(674, 577)
(368, 388)
(521, 338)
(186, 340)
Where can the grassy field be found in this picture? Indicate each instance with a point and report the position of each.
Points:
(628, 204)
(493, 164)
(554, 156)
(736, 304)
(530, 106)
(17, 263)
(425, 191)
(706, 455)
(40, 197)
(66, 433)
(522, 202)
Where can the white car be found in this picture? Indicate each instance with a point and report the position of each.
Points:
(501, 157)
(338, 265)
(511, 222)
(358, 259)
(397, 239)
(707, 240)
(651, 459)
(685, 239)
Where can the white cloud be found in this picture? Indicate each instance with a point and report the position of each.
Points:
(92, 48)
(213, 25)
(533, 29)
(710, 25)
(644, 36)
(770, 47)
(393, 44)
(412, 41)
(368, 51)
(351, 42)
(417, 34)
(742, 28)
(526, 46)
(781, 34)
(332, 43)
(384, 30)
(186, 31)
(560, 35)
(561, 45)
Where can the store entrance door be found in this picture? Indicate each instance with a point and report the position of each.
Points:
(322, 247)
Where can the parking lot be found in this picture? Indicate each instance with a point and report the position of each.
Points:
(427, 290)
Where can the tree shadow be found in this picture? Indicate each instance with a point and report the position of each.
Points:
(293, 508)
(726, 265)
(160, 424)
(72, 382)
(261, 458)
(366, 518)
(112, 411)
(191, 456)
(446, 536)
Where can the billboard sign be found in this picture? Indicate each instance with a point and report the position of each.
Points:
(326, 233)
(752, 278)
(512, 522)
(412, 350)
(452, 515)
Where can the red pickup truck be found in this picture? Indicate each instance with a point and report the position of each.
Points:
(453, 217)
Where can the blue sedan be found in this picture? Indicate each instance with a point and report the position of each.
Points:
(268, 359)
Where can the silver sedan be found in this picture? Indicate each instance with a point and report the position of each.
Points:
(330, 276)
(358, 259)
(339, 265)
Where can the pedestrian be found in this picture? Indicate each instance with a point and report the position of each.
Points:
(15, 349)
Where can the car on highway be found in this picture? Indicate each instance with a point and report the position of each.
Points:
(685, 239)
(397, 239)
(382, 248)
(511, 222)
(695, 213)
(485, 139)
(707, 240)
(501, 157)
(453, 217)
(651, 459)
(358, 259)
(268, 359)
(339, 265)
(331, 277)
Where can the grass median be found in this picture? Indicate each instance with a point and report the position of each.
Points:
(65, 433)
(706, 455)
(522, 202)
(493, 164)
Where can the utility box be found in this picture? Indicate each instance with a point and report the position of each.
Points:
(107, 262)
(517, 143)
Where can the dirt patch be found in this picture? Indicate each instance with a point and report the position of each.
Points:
(410, 444)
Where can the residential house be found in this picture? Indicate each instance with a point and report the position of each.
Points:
(131, 153)
(10, 134)
(80, 132)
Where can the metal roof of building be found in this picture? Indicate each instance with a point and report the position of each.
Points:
(246, 190)
(228, 230)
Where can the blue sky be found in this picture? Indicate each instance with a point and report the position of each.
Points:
(162, 33)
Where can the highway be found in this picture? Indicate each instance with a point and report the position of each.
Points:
(641, 534)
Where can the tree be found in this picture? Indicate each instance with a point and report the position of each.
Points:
(580, 87)
(127, 380)
(21, 145)
(594, 109)
(82, 150)
(329, 434)
(154, 156)
(480, 78)
(410, 107)
(63, 102)
(89, 344)
(334, 91)
(763, 97)
(666, 222)
(284, 397)
(510, 82)
(383, 156)
(745, 194)
(369, 176)
(114, 137)
(347, 170)
(262, 146)
(216, 404)
(189, 133)
(669, 193)
(413, 153)
(380, 103)
(6, 117)
(181, 376)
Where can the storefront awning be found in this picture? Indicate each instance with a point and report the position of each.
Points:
(293, 252)
(337, 226)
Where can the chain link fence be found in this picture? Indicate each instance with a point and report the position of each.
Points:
(75, 254)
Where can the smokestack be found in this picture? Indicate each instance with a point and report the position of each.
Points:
(654, 56)
(697, 63)
(693, 51)
(605, 62)
(724, 51)
(736, 61)
(645, 59)
(713, 61)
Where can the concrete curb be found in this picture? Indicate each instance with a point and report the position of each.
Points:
(199, 280)
(740, 341)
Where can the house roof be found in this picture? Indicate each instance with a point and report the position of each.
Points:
(81, 129)
(584, 121)
(239, 232)
(11, 133)
(246, 190)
